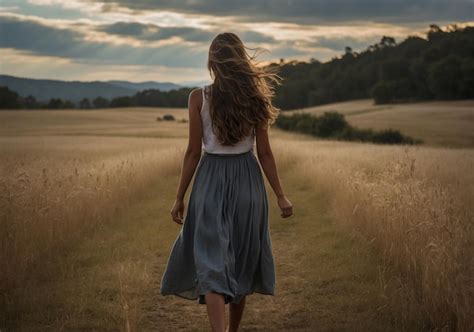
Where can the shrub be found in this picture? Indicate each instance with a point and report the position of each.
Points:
(334, 125)
(355, 134)
(304, 123)
(168, 117)
(390, 136)
(331, 123)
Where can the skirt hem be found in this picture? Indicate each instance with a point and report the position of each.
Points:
(227, 297)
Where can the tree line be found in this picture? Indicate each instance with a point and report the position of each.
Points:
(9, 99)
(438, 67)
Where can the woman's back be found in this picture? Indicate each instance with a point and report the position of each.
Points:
(224, 251)
(210, 143)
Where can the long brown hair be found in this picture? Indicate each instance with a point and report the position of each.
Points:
(240, 97)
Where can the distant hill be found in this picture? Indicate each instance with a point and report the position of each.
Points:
(191, 84)
(45, 89)
(162, 86)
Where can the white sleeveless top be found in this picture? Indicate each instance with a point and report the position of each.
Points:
(210, 142)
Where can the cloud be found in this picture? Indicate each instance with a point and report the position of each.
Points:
(153, 32)
(314, 11)
(338, 43)
(176, 34)
(36, 37)
(34, 66)
(255, 37)
(29, 7)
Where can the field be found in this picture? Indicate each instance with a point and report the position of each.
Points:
(380, 239)
(448, 124)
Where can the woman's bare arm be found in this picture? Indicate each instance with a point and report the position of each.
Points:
(192, 154)
(265, 156)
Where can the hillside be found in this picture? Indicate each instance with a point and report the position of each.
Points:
(439, 123)
(45, 89)
(438, 67)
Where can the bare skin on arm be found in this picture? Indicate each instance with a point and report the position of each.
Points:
(265, 156)
(192, 154)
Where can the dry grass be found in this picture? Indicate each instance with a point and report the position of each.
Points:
(438, 123)
(65, 173)
(415, 206)
(126, 122)
(53, 193)
(326, 278)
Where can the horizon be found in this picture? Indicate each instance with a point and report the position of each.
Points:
(139, 41)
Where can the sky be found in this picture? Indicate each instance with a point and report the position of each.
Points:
(168, 41)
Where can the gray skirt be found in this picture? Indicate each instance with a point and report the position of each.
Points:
(224, 245)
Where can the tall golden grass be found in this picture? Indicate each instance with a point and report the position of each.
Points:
(415, 206)
(52, 194)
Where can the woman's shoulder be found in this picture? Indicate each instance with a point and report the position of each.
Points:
(196, 98)
(199, 92)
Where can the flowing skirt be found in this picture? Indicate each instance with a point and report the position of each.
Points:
(224, 245)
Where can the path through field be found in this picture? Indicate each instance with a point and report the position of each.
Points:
(326, 278)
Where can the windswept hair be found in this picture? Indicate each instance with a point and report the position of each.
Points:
(240, 97)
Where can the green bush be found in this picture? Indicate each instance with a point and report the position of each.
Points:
(390, 136)
(334, 125)
(330, 124)
(168, 117)
(355, 134)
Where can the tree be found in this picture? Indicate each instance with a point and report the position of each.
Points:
(100, 102)
(55, 103)
(68, 104)
(85, 103)
(387, 41)
(435, 33)
(8, 98)
(30, 102)
(394, 69)
(444, 78)
(124, 101)
(434, 28)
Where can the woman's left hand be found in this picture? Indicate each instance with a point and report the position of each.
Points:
(177, 212)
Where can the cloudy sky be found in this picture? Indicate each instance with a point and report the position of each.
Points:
(140, 40)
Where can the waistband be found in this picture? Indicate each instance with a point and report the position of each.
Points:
(227, 154)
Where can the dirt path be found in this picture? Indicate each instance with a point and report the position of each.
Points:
(326, 279)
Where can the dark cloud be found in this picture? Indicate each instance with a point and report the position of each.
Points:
(37, 38)
(152, 32)
(30, 35)
(255, 37)
(317, 11)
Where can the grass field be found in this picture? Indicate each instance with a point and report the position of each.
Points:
(380, 239)
(438, 123)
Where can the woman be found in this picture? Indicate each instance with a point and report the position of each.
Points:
(223, 251)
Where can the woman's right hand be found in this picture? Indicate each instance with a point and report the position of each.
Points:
(177, 212)
(285, 206)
